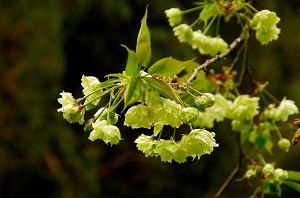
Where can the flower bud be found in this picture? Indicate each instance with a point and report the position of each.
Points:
(204, 101)
(250, 173)
(268, 169)
(284, 144)
(211, 99)
(188, 115)
(88, 127)
(280, 175)
(200, 102)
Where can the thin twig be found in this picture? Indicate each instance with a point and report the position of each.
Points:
(215, 59)
(235, 171)
(228, 180)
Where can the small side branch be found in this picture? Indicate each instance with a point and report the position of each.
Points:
(215, 59)
(228, 180)
(235, 171)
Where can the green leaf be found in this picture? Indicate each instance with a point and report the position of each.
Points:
(261, 140)
(244, 136)
(132, 63)
(122, 78)
(271, 188)
(133, 92)
(294, 175)
(167, 67)
(208, 11)
(294, 185)
(161, 87)
(143, 46)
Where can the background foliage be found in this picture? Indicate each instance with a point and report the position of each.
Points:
(47, 46)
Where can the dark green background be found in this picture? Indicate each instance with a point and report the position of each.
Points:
(46, 46)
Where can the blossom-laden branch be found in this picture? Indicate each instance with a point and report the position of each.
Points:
(215, 58)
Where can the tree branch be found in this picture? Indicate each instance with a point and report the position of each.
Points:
(215, 59)
(236, 169)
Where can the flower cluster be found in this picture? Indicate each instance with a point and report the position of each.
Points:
(264, 22)
(195, 144)
(271, 178)
(198, 40)
(243, 108)
(146, 116)
(206, 44)
(101, 126)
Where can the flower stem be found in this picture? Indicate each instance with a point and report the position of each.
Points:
(271, 96)
(191, 10)
(209, 25)
(251, 8)
(105, 92)
(277, 130)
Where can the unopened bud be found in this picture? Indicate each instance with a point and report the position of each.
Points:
(268, 169)
(280, 175)
(188, 115)
(284, 144)
(250, 173)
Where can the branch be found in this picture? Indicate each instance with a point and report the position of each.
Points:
(235, 171)
(215, 59)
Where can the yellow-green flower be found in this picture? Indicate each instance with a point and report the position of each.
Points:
(174, 15)
(264, 22)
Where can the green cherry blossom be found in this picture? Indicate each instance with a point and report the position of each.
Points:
(138, 117)
(169, 150)
(264, 22)
(206, 44)
(72, 112)
(282, 112)
(199, 142)
(244, 107)
(106, 132)
(91, 90)
(174, 15)
(184, 33)
(146, 144)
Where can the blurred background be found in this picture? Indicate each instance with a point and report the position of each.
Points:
(46, 46)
